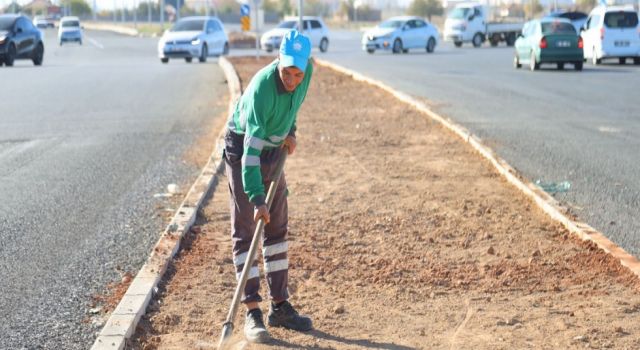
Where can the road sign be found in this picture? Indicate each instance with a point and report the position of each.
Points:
(245, 23)
(244, 10)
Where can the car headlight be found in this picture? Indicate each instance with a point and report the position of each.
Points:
(2, 39)
(195, 41)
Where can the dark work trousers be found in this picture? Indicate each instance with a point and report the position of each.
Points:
(274, 244)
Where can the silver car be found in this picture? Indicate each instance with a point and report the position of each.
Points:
(194, 37)
(69, 30)
(399, 34)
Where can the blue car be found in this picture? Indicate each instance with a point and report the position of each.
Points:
(19, 39)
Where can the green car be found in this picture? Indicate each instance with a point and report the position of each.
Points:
(549, 40)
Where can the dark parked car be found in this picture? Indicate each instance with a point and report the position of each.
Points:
(19, 39)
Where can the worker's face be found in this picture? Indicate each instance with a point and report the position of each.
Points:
(291, 77)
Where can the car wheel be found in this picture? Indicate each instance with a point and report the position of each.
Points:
(397, 46)
(203, 53)
(477, 40)
(636, 61)
(494, 40)
(457, 43)
(577, 66)
(431, 45)
(594, 59)
(324, 45)
(560, 66)
(164, 60)
(511, 39)
(188, 59)
(80, 42)
(38, 55)
(405, 50)
(60, 42)
(269, 50)
(371, 51)
(622, 60)
(225, 49)
(516, 62)
(533, 63)
(10, 56)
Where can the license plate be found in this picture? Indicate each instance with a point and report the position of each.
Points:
(621, 43)
(563, 44)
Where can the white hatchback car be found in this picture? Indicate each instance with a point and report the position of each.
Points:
(69, 30)
(314, 29)
(612, 32)
(194, 37)
(399, 34)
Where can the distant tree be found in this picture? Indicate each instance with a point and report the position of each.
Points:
(14, 7)
(532, 9)
(270, 6)
(228, 6)
(586, 5)
(284, 8)
(425, 8)
(77, 7)
(316, 8)
(346, 9)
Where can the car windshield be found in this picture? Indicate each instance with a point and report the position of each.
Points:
(459, 13)
(288, 24)
(621, 19)
(391, 24)
(6, 23)
(71, 24)
(188, 25)
(557, 28)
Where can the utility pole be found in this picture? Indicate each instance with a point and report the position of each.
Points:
(177, 10)
(115, 19)
(162, 14)
(300, 12)
(95, 10)
(149, 11)
(135, 14)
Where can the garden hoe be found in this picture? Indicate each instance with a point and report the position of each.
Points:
(227, 327)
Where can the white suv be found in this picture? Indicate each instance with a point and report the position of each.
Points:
(314, 28)
(612, 32)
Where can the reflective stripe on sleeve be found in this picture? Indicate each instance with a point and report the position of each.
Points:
(250, 160)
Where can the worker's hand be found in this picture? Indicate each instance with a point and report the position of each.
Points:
(261, 211)
(290, 143)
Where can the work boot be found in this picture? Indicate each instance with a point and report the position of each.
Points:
(254, 329)
(284, 315)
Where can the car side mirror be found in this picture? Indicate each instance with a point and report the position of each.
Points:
(472, 17)
(18, 30)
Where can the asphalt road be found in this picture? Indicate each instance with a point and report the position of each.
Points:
(86, 140)
(582, 127)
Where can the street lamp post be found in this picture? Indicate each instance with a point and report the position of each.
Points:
(300, 12)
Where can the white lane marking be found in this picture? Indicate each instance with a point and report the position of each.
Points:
(608, 129)
(94, 42)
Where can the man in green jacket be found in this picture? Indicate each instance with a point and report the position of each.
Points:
(262, 125)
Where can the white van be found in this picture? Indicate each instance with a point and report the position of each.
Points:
(612, 32)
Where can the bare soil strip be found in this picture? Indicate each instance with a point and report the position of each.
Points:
(401, 238)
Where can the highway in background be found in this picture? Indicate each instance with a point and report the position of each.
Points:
(582, 127)
(86, 141)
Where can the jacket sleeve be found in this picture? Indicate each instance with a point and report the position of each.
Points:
(255, 113)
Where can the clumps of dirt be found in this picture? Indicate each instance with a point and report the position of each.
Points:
(108, 301)
(242, 40)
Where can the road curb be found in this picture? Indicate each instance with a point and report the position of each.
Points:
(124, 319)
(547, 203)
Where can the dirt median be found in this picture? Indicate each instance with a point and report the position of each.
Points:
(401, 237)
